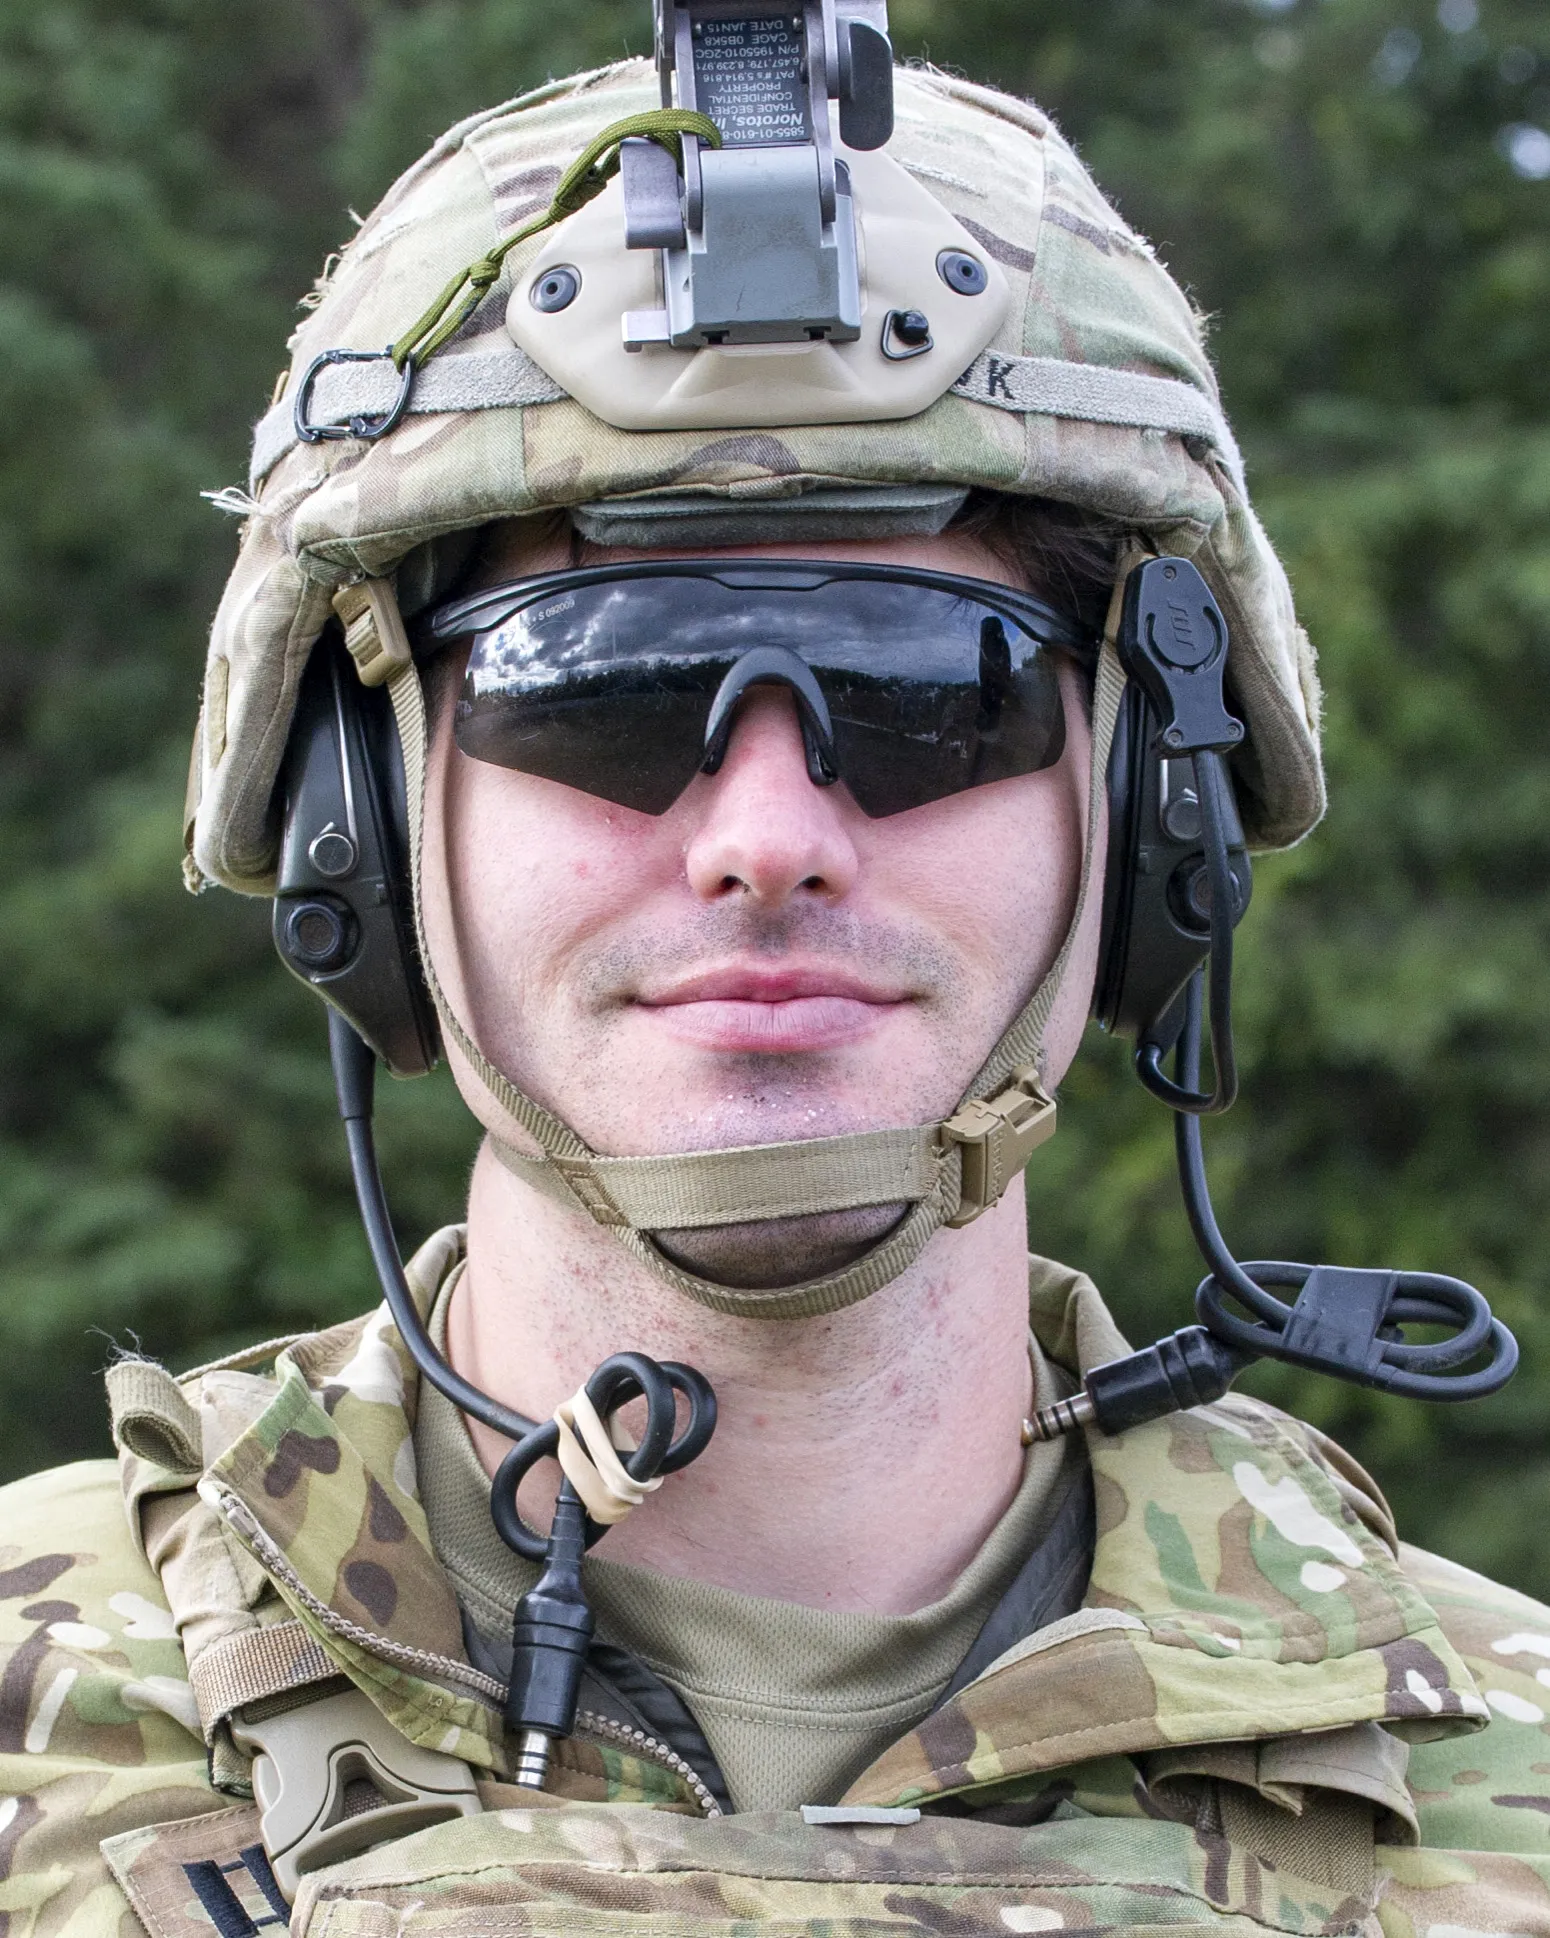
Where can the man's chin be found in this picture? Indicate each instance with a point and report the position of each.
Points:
(778, 1252)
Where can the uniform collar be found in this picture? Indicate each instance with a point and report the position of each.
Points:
(1236, 1592)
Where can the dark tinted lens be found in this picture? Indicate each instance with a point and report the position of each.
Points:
(954, 696)
(606, 686)
(638, 746)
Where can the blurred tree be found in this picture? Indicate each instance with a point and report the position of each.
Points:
(1358, 192)
(1336, 185)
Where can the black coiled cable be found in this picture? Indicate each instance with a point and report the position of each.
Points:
(1343, 1322)
(620, 1379)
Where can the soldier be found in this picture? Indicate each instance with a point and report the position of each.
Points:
(687, 673)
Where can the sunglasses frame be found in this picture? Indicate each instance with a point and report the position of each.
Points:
(343, 746)
(482, 612)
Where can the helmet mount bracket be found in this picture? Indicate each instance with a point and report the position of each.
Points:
(777, 266)
(758, 237)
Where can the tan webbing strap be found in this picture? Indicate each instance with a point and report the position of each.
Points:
(944, 1172)
(1330, 1842)
(409, 711)
(1023, 1043)
(1307, 1805)
(653, 1194)
(153, 1417)
(254, 1664)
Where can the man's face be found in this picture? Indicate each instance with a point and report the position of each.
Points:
(762, 962)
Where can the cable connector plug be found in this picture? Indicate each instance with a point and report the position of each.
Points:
(1189, 1368)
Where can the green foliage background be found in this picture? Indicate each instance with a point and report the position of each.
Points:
(1332, 180)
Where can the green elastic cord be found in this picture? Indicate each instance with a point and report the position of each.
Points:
(591, 172)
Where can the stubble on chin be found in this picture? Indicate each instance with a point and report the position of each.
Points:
(758, 1098)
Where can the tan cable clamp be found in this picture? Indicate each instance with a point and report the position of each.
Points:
(996, 1136)
(333, 1778)
(373, 631)
(588, 1452)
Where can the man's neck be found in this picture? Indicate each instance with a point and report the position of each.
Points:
(860, 1459)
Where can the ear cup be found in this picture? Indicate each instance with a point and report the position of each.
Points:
(343, 918)
(1156, 924)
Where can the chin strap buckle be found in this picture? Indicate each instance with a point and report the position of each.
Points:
(996, 1137)
(332, 1778)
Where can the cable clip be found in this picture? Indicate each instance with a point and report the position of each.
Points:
(1173, 643)
(996, 1137)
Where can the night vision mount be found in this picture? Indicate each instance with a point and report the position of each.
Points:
(758, 236)
(769, 262)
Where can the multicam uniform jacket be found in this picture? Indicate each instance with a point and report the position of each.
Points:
(1217, 1741)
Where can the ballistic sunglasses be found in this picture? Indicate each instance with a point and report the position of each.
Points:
(622, 680)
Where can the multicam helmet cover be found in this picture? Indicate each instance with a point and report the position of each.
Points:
(1092, 387)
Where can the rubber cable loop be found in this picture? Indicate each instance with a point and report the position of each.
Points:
(618, 1381)
(1395, 1365)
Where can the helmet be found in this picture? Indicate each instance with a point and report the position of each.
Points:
(1094, 390)
(1002, 330)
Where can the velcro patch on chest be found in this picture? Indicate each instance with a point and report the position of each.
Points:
(200, 1875)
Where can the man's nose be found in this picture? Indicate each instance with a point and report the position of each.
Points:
(764, 829)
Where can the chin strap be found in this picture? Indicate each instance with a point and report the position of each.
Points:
(947, 1173)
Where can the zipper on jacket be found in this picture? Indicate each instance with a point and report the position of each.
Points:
(444, 1667)
(638, 1743)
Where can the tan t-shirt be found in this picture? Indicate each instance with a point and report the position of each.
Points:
(794, 1701)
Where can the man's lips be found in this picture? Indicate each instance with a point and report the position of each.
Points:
(773, 1010)
(769, 983)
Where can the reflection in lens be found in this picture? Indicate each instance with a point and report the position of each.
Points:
(995, 673)
(605, 686)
